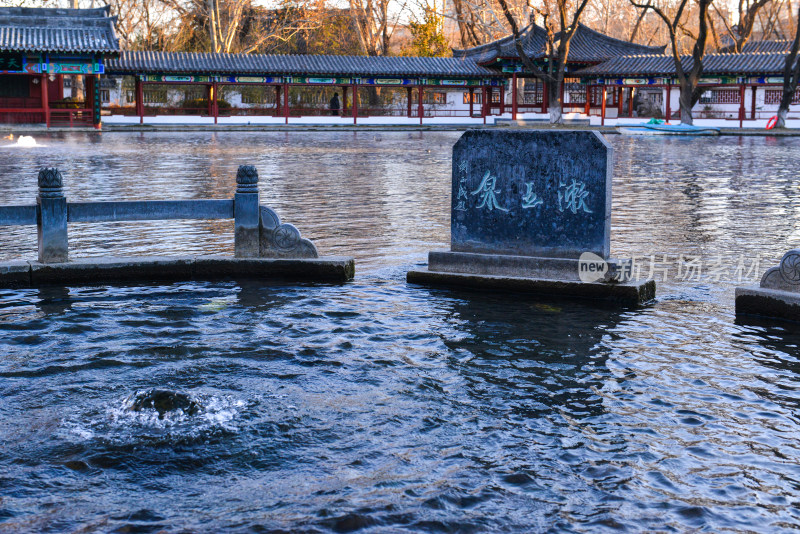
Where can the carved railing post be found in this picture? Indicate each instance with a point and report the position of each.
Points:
(245, 213)
(52, 217)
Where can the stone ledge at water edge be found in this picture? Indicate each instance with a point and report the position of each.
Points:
(629, 293)
(170, 268)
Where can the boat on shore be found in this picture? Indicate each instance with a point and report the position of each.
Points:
(666, 129)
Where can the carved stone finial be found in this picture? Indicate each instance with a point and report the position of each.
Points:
(786, 276)
(280, 240)
(247, 179)
(51, 184)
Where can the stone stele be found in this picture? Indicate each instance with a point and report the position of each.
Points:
(529, 193)
(526, 206)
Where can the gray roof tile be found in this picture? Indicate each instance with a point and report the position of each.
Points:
(586, 46)
(767, 46)
(87, 31)
(713, 64)
(204, 63)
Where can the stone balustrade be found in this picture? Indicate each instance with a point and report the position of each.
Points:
(259, 234)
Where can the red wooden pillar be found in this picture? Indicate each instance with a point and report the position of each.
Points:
(741, 105)
(355, 104)
(514, 97)
(215, 101)
(603, 108)
(484, 92)
(753, 104)
(471, 101)
(619, 101)
(410, 92)
(669, 99)
(588, 105)
(502, 99)
(277, 100)
(45, 101)
(139, 100)
(344, 100)
(286, 102)
(421, 107)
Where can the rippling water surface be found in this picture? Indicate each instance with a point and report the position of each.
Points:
(384, 407)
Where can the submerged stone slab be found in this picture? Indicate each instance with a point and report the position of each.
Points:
(113, 269)
(630, 293)
(15, 274)
(778, 294)
(172, 268)
(329, 269)
(531, 193)
(768, 303)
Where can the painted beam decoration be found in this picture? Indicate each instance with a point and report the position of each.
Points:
(72, 65)
(544, 194)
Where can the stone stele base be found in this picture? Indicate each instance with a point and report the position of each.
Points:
(554, 278)
(768, 303)
(168, 268)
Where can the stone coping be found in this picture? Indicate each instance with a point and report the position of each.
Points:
(634, 293)
(764, 302)
(172, 268)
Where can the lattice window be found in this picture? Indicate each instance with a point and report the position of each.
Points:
(533, 92)
(434, 98)
(105, 95)
(773, 96)
(155, 96)
(720, 96)
(477, 98)
(254, 96)
(577, 97)
(195, 93)
(596, 96)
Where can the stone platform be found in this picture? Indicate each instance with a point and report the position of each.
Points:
(768, 303)
(174, 268)
(778, 294)
(629, 293)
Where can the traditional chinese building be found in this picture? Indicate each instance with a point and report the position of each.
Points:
(44, 51)
(64, 67)
(528, 94)
(738, 87)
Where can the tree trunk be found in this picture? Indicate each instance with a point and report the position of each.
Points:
(782, 114)
(686, 105)
(554, 104)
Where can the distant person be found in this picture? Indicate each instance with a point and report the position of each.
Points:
(334, 105)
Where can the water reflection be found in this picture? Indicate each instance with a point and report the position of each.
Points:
(382, 406)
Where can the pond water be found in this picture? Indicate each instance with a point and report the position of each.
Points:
(385, 407)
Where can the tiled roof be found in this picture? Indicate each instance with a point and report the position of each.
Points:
(200, 63)
(87, 31)
(713, 64)
(767, 46)
(586, 46)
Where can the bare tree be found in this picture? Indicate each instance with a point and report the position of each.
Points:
(375, 23)
(688, 80)
(560, 19)
(791, 75)
(741, 32)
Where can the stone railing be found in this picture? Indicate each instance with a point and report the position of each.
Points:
(258, 231)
